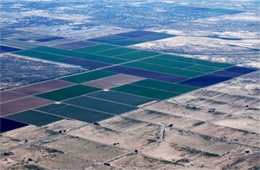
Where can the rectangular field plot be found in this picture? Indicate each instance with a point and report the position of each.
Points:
(95, 48)
(119, 97)
(137, 55)
(4, 49)
(40, 55)
(78, 55)
(153, 37)
(101, 58)
(51, 50)
(51, 107)
(73, 112)
(7, 125)
(113, 81)
(136, 37)
(163, 69)
(235, 71)
(49, 39)
(63, 52)
(117, 51)
(168, 63)
(88, 64)
(57, 51)
(74, 45)
(34, 117)
(42, 87)
(8, 95)
(135, 34)
(68, 92)
(108, 39)
(21, 105)
(175, 88)
(126, 42)
(100, 105)
(147, 74)
(202, 68)
(205, 80)
(89, 76)
(146, 92)
(193, 61)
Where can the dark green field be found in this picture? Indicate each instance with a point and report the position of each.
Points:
(95, 48)
(68, 92)
(77, 113)
(117, 51)
(100, 105)
(146, 92)
(119, 97)
(34, 117)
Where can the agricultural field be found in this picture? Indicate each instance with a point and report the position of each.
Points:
(133, 85)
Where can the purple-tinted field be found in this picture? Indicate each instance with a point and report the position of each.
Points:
(146, 74)
(49, 39)
(74, 45)
(7, 95)
(113, 81)
(43, 87)
(21, 105)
